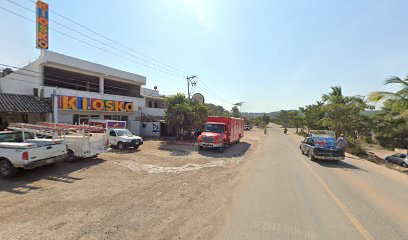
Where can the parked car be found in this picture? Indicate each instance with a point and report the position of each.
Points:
(123, 138)
(247, 127)
(16, 154)
(321, 147)
(398, 158)
(220, 131)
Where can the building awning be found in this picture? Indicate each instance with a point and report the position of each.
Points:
(16, 103)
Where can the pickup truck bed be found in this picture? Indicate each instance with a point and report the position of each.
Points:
(14, 156)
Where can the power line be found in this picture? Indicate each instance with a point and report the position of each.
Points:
(212, 95)
(204, 86)
(100, 42)
(82, 41)
(113, 41)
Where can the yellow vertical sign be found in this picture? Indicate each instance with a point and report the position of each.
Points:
(42, 25)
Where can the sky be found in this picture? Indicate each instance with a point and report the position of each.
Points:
(270, 54)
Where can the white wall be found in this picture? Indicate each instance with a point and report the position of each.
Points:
(149, 92)
(155, 112)
(134, 127)
(150, 129)
(23, 80)
(60, 59)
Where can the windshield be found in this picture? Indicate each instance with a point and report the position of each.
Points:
(11, 137)
(324, 142)
(124, 132)
(218, 128)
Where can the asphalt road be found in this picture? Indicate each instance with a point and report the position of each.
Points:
(287, 196)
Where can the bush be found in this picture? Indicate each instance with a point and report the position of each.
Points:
(355, 147)
(303, 134)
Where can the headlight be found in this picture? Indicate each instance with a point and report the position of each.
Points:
(219, 140)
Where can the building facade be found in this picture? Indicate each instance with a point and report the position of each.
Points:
(79, 90)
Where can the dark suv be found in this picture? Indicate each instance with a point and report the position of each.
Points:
(321, 147)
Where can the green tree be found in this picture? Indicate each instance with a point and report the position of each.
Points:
(284, 118)
(216, 110)
(313, 116)
(295, 119)
(235, 112)
(399, 97)
(391, 125)
(343, 114)
(184, 114)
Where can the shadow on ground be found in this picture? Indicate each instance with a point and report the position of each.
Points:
(22, 182)
(338, 164)
(177, 149)
(231, 151)
(126, 151)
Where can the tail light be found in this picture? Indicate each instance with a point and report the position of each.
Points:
(25, 156)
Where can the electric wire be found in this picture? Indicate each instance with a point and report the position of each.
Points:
(204, 87)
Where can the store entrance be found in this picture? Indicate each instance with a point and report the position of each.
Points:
(83, 119)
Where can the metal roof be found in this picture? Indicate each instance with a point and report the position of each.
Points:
(22, 104)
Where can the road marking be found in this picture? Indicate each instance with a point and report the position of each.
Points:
(360, 228)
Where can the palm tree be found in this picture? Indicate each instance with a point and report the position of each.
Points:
(400, 96)
(335, 96)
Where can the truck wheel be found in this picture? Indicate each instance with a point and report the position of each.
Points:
(121, 146)
(221, 149)
(311, 157)
(200, 147)
(7, 169)
(71, 156)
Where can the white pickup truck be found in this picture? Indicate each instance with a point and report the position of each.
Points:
(123, 138)
(15, 154)
(82, 141)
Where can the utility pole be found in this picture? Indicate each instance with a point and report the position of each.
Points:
(190, 81)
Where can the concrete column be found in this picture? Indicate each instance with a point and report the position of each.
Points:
(55, 108)
(101, 84)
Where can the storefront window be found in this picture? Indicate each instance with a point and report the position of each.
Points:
(84, 119)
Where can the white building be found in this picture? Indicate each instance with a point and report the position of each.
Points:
(154, 104)
(80, 90)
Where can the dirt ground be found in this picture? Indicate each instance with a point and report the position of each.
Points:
(161, 191)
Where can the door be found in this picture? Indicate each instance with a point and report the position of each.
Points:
(401, 158)
(113, 140)
(395, 158)
(303, 145)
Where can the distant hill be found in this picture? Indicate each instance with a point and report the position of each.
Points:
(252, 114)
(276, 113)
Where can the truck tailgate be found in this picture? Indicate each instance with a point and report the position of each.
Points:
(48, 151)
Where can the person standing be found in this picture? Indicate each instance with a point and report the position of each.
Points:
(341, 142)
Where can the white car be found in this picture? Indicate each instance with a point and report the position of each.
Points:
(15, 154)
(123, 138)
(247, 127)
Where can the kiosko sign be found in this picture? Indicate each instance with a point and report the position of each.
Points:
(93, 104)
(42, 25)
